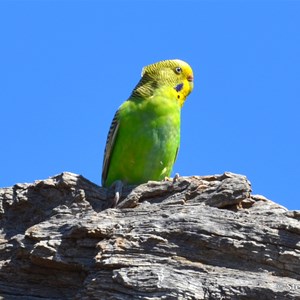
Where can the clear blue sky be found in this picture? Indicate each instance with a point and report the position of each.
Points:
(66, 66)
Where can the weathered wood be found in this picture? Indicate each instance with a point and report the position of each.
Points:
(198, 238)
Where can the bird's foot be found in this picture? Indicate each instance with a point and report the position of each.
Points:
(174, 179)
(118, 186)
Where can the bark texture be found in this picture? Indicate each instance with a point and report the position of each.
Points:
(198, 238)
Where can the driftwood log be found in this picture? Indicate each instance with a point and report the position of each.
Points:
(198, 238)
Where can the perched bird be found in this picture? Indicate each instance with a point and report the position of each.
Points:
(144, 136)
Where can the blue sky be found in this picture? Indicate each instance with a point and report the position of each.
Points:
(66, 66)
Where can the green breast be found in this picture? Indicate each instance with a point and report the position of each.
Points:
(147, 141)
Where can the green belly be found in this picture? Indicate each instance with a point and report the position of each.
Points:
(146, 144)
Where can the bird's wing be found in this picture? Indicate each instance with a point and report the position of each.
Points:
(113, 130)
(176, 154)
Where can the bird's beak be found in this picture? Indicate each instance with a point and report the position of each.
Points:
(190, 78)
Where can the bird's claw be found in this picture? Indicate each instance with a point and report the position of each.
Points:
(176, 177)
(118, 186)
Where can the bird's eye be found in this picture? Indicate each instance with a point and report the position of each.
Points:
(178, 70)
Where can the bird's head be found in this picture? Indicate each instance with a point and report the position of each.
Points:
(175, 76)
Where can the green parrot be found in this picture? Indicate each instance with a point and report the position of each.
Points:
(144, 136)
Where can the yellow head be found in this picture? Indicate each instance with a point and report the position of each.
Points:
(175, 75)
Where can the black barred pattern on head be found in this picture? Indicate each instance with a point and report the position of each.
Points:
(166, 72)
(156, 67)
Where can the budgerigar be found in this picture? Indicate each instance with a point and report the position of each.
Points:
(144, 136)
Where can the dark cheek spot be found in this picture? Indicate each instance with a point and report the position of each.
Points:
(178, 87)
(178, 96)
